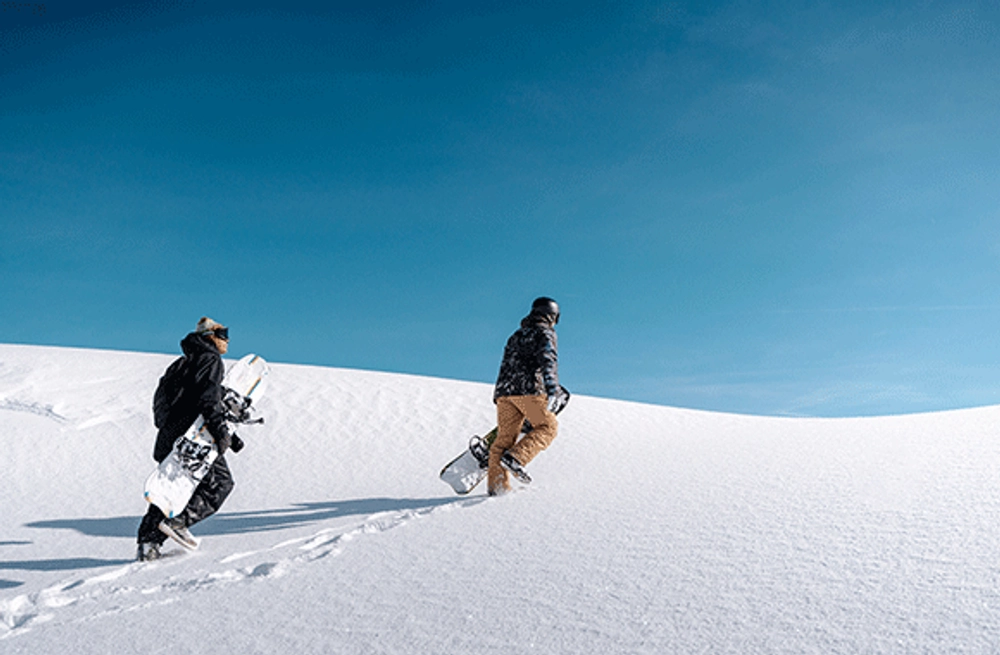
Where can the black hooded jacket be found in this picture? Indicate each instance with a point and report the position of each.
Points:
(202, 384)
(530, 364)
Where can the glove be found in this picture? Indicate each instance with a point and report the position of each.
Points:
(235, 443)
(223, 438)
(558, 400)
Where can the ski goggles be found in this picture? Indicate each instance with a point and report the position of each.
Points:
(221, 333)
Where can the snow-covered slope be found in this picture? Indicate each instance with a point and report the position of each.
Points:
(647, 530)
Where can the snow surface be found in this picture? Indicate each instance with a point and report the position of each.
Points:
(647, 529)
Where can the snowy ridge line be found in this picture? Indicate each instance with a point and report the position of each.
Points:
(20, 614)
(38, 409)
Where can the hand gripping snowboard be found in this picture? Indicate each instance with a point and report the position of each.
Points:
(469, 469)
(171, 485)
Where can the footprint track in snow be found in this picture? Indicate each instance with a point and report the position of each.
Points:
(24, 612)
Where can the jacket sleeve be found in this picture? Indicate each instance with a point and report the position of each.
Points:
(208, 383)
(548, 362)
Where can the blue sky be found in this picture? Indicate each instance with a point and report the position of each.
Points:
(772, 208)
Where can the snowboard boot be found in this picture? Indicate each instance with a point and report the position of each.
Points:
(508, 462)
(176, 530)
(147, 552)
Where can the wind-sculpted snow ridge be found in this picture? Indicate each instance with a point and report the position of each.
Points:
(46, 411)
(135, 586)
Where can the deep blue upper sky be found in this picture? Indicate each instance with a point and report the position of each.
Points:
(774, 208)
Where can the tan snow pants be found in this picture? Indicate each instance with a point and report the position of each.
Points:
(511, 412)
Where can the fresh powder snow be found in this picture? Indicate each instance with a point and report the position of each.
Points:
(646, 530)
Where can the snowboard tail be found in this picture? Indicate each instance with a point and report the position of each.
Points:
(467, 470)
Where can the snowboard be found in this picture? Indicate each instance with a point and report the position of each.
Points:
(467, 470)
(172, 483)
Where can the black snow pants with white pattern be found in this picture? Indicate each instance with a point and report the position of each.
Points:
(208, 497)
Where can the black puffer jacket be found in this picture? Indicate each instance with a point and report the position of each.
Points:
(530, 364)
(202, 383)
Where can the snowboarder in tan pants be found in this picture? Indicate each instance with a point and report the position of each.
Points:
(527, 388)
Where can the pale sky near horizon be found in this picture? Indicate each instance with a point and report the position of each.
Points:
(771, 208)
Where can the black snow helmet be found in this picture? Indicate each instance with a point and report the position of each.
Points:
(546, 307)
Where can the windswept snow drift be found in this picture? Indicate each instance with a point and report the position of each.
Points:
(647, 529)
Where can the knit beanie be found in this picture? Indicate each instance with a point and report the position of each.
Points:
(207, 325)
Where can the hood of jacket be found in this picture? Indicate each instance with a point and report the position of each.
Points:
(196, 344)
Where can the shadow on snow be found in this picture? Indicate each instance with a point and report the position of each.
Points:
(302, 514)
(297, 515)
(68, 564)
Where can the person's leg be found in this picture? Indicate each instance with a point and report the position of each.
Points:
(149, 530)
(208, 497)
(544, 426)
(509, 419)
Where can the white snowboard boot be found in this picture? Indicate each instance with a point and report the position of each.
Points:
(176, 530)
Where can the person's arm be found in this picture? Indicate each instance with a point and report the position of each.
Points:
(548, 359)
(208, 381)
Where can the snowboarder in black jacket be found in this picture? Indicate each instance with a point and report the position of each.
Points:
(527, 388)
(201, 393)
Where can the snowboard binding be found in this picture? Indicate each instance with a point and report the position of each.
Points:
(238, 408)
(480, 449)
